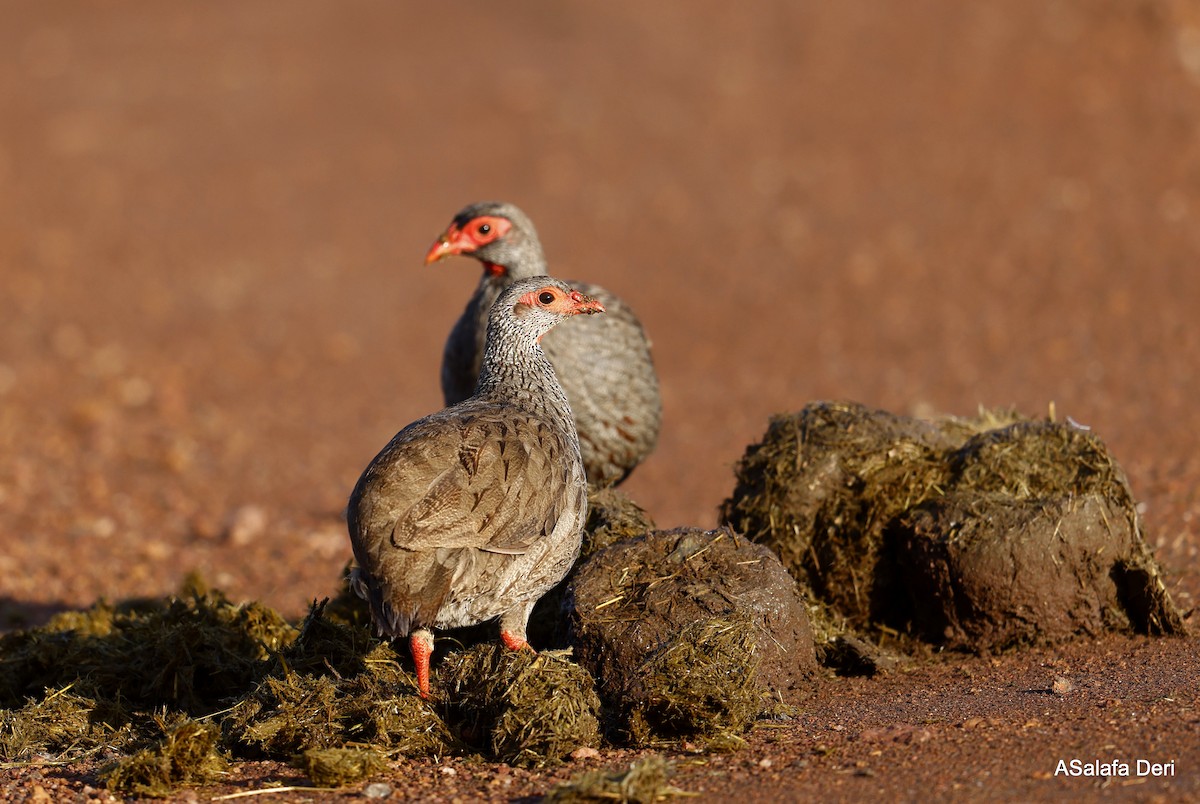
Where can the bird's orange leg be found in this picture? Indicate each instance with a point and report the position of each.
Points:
(421, 646)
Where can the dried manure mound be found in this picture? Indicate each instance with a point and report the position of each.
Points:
(690, 632)
(980, 533)
(990, 573)
(612, 517)
(824, 483)
(524, 708)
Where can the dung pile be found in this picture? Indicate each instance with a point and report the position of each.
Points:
(94, 679)
(981, 533)
(690, 632)
(522, 708)
(1036, 539)
(334, 685)
(612, 517)
(643, 782)
(181, 686)
(993, 572)
(188, 653)
(60, 723)
(187, 754)
(336, 767)
(147, 678)
(822, 485)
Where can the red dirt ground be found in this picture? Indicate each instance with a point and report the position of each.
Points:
(213, 310)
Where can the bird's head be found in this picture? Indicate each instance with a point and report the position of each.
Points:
(540, 302)
(497, 234)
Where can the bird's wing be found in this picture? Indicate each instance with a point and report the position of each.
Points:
(493, 480)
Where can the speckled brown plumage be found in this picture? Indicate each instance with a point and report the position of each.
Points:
(477, 510)
(603, 363)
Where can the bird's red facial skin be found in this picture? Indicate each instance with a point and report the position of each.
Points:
(471, 236)
(552, 299)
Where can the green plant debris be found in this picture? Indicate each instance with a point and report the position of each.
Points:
(60, 724)
(187, 654)
(643, 782)
(186, 755)
(523, 708)
(338, 767)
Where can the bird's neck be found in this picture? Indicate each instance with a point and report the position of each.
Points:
(511, 262)
(521, 374)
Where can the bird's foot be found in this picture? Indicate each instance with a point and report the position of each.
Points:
(514, 642)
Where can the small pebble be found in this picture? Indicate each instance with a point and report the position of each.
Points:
(246, 524)
(585, 752)
(136, 392)
(377, 790)
(1061, 686)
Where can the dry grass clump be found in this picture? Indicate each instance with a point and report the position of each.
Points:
(338, 767)
(523, 708)
(643, 782)
(333, 685)
(186, 755)
(188, 654)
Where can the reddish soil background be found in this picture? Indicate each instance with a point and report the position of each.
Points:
(213, 310)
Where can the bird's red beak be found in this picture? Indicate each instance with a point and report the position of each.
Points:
(586, 304)
(450, 242)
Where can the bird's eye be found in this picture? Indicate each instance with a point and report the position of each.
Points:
(546, 297)
(484, 228)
